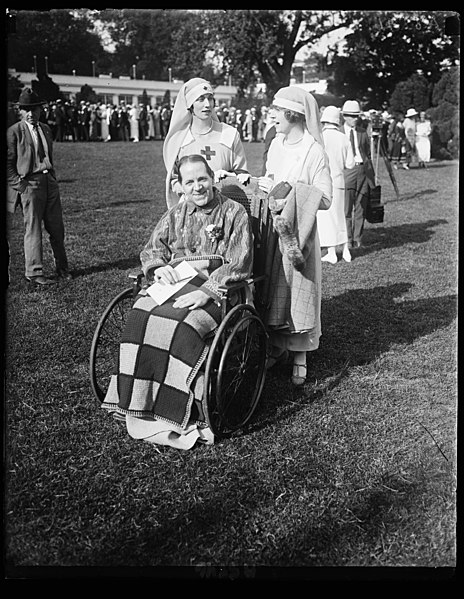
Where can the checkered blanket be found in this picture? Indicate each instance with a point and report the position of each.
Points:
(161, 351)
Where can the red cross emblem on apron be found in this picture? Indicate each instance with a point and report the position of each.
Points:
(208, 152)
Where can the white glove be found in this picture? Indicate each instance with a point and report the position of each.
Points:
(222, 174)
(265, 184)
(244, 178)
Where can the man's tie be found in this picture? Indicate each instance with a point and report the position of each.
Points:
(353, 147)
(41, 150)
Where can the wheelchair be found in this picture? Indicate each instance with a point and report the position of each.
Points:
(235, 367)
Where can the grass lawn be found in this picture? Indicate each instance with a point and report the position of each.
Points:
(357, 468)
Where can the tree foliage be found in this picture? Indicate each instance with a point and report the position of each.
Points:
(386, 47)
(444, 115)
(46, 88)
(382, 49)
(264, 43)
(245, 44)
(415, 92)
(65, 37)
(141, 37)
(14, 88)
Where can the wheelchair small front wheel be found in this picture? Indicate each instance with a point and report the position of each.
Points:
(106, 341)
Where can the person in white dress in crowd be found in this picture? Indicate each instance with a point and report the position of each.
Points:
(331, 223)
(423, 145)
(134, 123)
(196, 129)
(151, 123)
(105, 122)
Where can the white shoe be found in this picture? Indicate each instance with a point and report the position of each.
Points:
(329, 258)
(346, 255)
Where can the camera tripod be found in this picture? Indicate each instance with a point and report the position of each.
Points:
(378, 149)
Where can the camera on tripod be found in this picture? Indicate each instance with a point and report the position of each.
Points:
(376, 122)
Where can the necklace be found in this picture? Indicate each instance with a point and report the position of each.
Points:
(293, 143)
(204, 133)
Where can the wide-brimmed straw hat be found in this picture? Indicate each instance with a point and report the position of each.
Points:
(28, 99)
(411, 112)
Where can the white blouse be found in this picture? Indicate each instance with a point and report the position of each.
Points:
(305, 161)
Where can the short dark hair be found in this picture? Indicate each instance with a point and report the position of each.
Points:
(291, 115)
(190, 159)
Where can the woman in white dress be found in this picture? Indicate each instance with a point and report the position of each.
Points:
(151, 123)
(134, 123)
(105, 120)
(196, 129)
(331, 223)
(423, 132)
(297, 156)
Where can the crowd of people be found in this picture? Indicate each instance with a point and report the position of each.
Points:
(406, 137)
(96, 121)
(86, 121)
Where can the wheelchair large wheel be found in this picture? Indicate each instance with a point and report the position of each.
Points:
(235, 370)
(106, 341)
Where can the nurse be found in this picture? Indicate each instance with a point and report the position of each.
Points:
(196, 129)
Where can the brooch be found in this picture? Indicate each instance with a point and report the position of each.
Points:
(214, 232)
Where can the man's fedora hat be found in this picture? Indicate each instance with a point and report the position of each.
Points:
(351, 107)
(29, 99)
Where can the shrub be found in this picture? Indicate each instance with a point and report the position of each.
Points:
(445, 116)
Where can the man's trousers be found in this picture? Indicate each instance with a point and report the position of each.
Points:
(356, 190)
(41, 202)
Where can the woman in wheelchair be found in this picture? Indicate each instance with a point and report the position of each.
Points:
(157, 384)
(195, 129)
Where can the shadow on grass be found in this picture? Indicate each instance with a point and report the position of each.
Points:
(412, 196)
(359, 326)
(127, 205)
(123, 264)
(390, 237)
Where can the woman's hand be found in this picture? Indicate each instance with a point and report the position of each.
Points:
(192, 300)
(244, 178)
(166, 274)
(265, 184)
(221, 174)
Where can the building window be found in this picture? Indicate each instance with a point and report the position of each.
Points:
(124, 99)
(105, 98)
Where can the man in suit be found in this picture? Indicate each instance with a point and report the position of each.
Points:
(358, 179)
(32, 184)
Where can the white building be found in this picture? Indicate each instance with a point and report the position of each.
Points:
(114, 90)
(315, 87)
